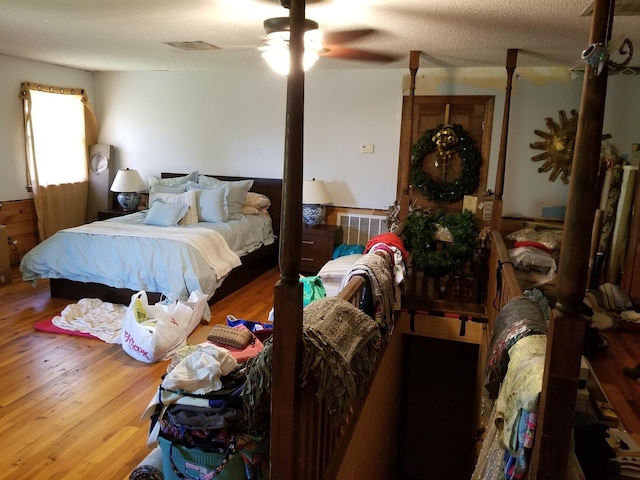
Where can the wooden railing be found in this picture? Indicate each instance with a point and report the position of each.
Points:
(325, 439)
(503, 284)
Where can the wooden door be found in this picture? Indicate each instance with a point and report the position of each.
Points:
(473, 113)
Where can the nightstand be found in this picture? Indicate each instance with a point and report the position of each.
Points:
(318, 244)
(114, 212)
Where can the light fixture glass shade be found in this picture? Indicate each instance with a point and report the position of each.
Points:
(276, 52)
(128, 183)
(278, 60)
(314, 198)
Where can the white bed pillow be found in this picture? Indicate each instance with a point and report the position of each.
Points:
(249, 210)
(211, 202)
(164, 214)
(238, 190)
(159, 188)
(173, 181)
(186, 198)
(257, 200)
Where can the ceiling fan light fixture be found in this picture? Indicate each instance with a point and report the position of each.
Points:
(276, 51)
(278, 59)
(282, 24)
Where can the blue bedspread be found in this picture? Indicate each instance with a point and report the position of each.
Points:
(141, 263)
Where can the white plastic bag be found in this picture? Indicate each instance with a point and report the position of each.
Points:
(151, 333)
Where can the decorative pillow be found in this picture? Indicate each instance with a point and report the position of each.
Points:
(211, 202)
(159, 188)
(237, 193)
(165, 214)
(172, 182)
(249, 210)
(186, 198)
(257, 200)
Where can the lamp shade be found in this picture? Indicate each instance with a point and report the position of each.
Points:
(128, 183)
(314, 196)
(314, 192)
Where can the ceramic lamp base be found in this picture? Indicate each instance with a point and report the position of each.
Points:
(313, 214)
(129, 201)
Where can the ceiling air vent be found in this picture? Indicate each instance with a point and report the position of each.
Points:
(195, 45)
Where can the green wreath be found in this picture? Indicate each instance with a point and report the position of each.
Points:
(465, 184)
(420, 230)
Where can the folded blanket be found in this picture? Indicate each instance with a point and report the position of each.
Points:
(379, 273)
(211, 244)
(340, 348)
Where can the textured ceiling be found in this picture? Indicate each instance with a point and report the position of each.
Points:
(121, 35)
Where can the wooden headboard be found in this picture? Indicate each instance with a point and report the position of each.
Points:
(270, 187)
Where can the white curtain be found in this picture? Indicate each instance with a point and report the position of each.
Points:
(59, 126)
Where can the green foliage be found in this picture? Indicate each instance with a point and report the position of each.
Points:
(465, 184)
(420, 229)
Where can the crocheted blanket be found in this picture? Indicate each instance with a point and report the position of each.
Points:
(340, 348)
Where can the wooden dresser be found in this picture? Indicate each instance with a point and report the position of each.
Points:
(318, 244)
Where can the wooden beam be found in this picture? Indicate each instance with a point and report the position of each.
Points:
(287, 335)
(414, 63)
(566, 337)
(512, 59)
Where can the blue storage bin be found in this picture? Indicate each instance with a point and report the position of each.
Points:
(180, 462)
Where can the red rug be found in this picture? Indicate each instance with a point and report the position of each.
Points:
(48, 326)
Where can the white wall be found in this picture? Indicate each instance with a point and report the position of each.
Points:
(232, 122)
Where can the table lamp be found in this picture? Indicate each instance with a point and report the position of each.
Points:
(314, 198)
(128, 183)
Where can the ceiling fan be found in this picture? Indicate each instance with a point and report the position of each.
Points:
(317, 43)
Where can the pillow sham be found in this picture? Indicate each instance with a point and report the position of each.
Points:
(159, 188)
(257, 200)
(211, 203)
(163, 214)
(172, 182)
(237, 193)
(187, 198)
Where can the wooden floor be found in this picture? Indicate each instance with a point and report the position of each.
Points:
(622, 391)
(70, 407)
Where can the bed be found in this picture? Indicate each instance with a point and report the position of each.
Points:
(111, 259)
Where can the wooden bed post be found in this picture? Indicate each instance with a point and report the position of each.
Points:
(287, 335)
(414, 61)
(566, 334)
(512, 58)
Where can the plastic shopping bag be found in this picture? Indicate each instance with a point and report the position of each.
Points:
(151, 333)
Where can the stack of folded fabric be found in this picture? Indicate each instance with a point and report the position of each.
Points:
(614, 298)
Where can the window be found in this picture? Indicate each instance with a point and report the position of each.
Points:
(55, 130)
(59, 124)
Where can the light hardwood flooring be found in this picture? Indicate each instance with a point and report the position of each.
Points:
(70, 407)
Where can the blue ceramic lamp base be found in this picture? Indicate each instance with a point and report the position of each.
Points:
(313, 215)
(129, 201)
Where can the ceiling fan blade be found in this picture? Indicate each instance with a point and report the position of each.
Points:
(336, 51)
(345, 36)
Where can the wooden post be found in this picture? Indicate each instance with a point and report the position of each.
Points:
(566, 336)
(512, 58)
(287, 334)
(414, 61)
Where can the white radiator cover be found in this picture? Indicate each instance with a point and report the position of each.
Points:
(358, 229)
